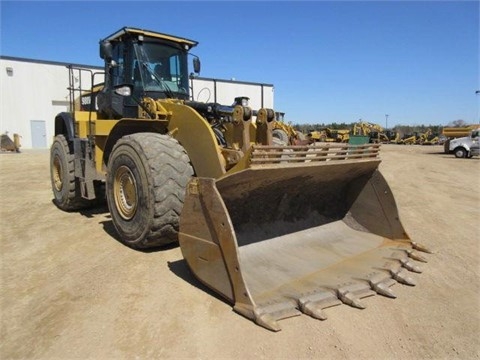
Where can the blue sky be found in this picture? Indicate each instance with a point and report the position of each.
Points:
(329, 61)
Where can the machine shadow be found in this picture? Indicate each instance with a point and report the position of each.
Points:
(438, 152)
(109, 228)
(450, 156)
(180, 268)
(101, 209)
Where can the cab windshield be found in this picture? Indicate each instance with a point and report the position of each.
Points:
(161, 68)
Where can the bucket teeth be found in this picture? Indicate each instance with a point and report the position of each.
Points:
(420, 247)
(416, 256)
(267, 321)
(382, 289)
(267, 315)
(312, 304)
(312, 309)
(350, 299)
(407, 264)
(402, 278)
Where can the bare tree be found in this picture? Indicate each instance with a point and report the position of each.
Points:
(457, 123)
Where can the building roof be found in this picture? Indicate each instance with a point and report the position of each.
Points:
(59, 63)
(48, 62)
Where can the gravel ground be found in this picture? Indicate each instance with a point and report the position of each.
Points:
(71, 290)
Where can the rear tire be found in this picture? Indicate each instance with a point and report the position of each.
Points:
(65, 186)
(460, 152)
(146, 181)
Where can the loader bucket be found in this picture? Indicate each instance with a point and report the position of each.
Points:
(298, 230)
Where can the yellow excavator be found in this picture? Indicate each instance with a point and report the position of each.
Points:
(276, 230)
(426, 138)
(374, 131)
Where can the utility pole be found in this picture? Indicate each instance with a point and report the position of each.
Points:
(386, 121)
(478, 107)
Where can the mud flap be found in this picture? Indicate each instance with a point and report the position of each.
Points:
(278, 240)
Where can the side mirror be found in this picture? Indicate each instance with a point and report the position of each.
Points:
(196, 65)
(106, 50)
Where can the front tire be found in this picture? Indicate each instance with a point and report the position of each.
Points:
(146, 181)
(460, 152)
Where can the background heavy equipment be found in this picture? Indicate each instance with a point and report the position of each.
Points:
(275, 230)
(408, 139)
(330, 135)
(8, 144)
(285, 134)
(456, 132)
(426, 138)
(374, 131)
(466, 147)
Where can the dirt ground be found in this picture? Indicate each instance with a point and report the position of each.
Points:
(70, 290)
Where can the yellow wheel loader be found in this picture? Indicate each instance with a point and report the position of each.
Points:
(276, 230)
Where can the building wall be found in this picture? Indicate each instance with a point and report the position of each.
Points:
(35, 90)
(225, 91)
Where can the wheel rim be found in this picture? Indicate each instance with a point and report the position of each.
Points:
(125, 192)
(57, 173)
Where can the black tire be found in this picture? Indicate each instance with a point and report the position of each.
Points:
(301, 136)
(65, 186)
(460, 152)
(146, 181)
(281, 136)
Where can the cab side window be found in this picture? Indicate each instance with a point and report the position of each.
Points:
(118, 71)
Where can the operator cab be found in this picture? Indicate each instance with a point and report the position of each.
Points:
(140, 63)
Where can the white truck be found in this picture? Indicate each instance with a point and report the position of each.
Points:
(466, 147)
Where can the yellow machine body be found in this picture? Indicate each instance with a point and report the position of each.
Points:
(276, 230)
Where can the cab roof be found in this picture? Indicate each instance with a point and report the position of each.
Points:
(151, 34)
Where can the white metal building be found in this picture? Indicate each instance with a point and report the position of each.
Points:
(225, 91)
(33, 92)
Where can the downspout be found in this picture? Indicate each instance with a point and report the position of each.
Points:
(214, 90)
(261, 88)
